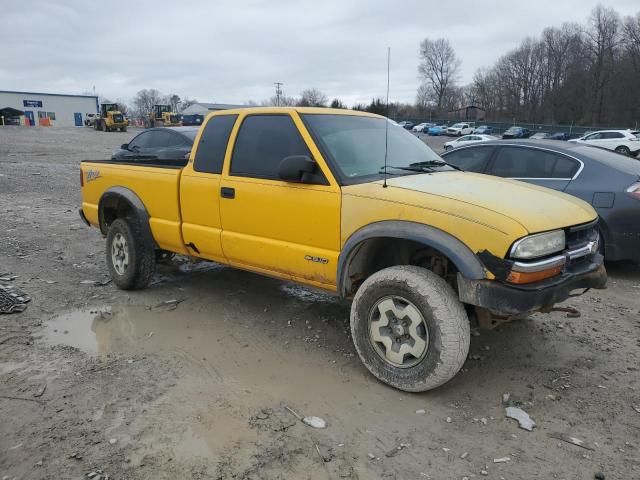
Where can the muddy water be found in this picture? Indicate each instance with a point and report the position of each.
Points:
(234, 368)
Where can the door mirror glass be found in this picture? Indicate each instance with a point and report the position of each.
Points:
(296, 168)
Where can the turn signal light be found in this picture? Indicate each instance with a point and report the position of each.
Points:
(81, 178)
(530, 277)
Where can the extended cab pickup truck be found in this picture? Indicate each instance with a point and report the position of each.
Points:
(350, 203)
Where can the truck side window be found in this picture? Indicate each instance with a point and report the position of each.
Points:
(213, 144)
(262, 142)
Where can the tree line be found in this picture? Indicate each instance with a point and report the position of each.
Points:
(585, 74)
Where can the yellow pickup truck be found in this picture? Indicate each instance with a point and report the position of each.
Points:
(348, 202)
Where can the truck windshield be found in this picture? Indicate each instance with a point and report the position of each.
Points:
(356, 146)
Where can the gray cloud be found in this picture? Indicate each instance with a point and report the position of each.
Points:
(233, 51)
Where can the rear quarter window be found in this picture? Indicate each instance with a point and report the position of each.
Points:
(213, 144)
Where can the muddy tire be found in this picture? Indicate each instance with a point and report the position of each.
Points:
(130, 260)
(409, 328)
(123, 129)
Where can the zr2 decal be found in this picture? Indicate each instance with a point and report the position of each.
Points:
(310, 258)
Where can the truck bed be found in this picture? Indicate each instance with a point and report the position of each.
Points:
(145, 177)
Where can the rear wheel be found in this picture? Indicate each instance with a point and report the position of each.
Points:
(624, 150)
(409, 328)
(123, 129)
(130, 260)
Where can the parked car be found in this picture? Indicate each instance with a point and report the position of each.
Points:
(90, 119)
(467, 140)
(609, 182)
(162, 143)
(558, 136)
(406, 124)
(626, 142)
(516, 132)
(483, 130)
(459, 129)
(419, 127)
(539, 136)
(437, 130)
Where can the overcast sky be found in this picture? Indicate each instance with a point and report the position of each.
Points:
(233, 51)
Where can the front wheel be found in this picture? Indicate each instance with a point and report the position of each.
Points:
(130, 260)
(409, 328)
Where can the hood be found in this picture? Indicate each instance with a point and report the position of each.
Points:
(537, 209)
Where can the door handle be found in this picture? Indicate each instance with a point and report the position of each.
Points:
(227, 192)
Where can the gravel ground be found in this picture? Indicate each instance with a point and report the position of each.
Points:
(192, 377)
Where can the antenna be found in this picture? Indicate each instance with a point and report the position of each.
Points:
(386, 123)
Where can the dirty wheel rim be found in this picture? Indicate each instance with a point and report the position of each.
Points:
(398, 331)
(119, 254)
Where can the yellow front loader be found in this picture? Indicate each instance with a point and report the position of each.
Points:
(111, 119)
(162, 116)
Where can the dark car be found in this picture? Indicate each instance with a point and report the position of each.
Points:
(163, 143)
(406, 124)
(558, 136)
(516, 132)
(608, 181)
(483, 130)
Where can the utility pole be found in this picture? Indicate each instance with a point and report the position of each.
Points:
(278, 92)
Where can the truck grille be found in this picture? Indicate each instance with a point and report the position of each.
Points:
(580, 235)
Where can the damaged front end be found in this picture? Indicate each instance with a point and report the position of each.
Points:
(522, 287)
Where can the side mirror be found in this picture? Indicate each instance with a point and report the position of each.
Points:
(124, 146)
(296, 168)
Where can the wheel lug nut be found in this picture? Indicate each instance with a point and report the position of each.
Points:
(407, 337)
(398, 339)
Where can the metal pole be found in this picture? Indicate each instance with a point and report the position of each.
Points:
(278, 92)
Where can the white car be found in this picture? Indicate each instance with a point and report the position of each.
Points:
(459, 129)
(419, 127)
(626, 142)
(468, 140)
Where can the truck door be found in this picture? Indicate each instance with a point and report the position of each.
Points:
(290, 230)
(200, 189)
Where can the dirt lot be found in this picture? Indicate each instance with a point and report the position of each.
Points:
(93, 379)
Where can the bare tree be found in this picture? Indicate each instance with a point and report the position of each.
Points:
(631, 38)
(174, 102)
(602, 41)
(282, 101)
(144, 101)
(438, 68)
(312, 97)
(187, 102)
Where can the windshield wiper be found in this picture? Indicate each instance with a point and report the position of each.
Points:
(408, 168)
(435, 163)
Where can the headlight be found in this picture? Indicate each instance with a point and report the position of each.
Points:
(539, 245)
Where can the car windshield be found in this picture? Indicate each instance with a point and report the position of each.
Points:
(513, 130)
(458, 125)
(356, 146)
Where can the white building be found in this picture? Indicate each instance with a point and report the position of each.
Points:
(202, 108)
(50, 109)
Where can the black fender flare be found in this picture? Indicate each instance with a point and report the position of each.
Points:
(462, 257)
(138, 210)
